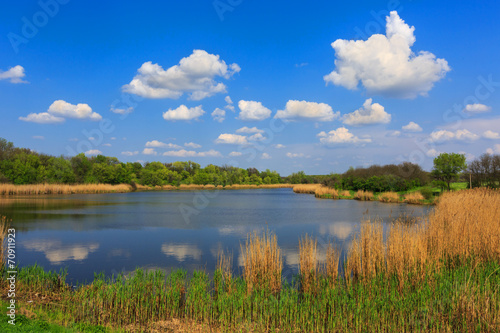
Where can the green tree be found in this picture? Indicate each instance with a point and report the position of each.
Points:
(448, 167)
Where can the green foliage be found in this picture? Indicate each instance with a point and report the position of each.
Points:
(448, 167)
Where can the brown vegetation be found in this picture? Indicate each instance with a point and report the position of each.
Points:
(328, 192)
(42, 189)
(414, 198)
(306, 188)
(388, 197)
(308, 264)
(262, 262)
(363, 195)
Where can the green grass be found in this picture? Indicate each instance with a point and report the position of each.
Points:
(444, 300)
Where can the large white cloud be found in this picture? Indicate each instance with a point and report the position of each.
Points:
(441, 136)
(234, 139)
(412, 127)
(339, 136)
(385, 64)
(307, 110)
(476, 108)
(79, 111)
(14, 74)
(60, 110)
(183, 113)
(367, 115)
(251, 110)
(194, 74)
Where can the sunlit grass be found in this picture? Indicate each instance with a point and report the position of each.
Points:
(42, 189)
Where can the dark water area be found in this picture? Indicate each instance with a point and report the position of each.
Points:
(119, 232)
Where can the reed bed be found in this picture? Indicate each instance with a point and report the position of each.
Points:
(262, 262)
(326, 192)
(345, 193)
(308, 264)
(4, 226)
(363, 195)
(43, 189)
(389, 197)
(414, 198)
(438, 275)
(306, 188)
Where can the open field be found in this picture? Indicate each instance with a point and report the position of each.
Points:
(438, 275)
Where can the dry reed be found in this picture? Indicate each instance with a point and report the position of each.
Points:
(4, 226)
(224, 265)
(306, 188)
(388, 197)
(308, 264)
(363, 195)
(262, 262)
(414, 198)
(328, 192)
(42, 189)
(345, 193)
(332, 264)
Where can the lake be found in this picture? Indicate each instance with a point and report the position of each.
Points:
(118, 232)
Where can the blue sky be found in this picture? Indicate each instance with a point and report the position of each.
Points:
(287, 86)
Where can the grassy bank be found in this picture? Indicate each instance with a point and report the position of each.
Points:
(323, 192)
(439, 275)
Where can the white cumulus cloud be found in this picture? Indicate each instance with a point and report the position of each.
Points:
(265, 156)
(249, 130)
(183, 113)
(339, 136)
(251, 110)
(93, 152)
(279, 146)
(412, 127)
(122, 111)
(14, 74)
(458, 135)
(367, 115)
(130, 153)
(149, 151)
(307, 110)
(79, 111)
(235, 153)
(295, 155)
(191, 153)
(159, 144)
(476, 108)
(257, 137)
(42, 118)
(195, 74)
(491, 135)
(234, 139)
(219, 115)
(192, 145)
(386, 64)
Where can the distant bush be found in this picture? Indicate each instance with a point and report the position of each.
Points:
(427, 193)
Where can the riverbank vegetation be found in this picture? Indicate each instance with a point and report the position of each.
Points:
(441, 274)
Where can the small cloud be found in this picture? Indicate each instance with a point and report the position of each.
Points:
(257, 137)
(159, 144)
(218, 115)
(412, 127)
(476, 108)
(234, 139)
(192, 145)
(106, 144)
(253, 111)
(79, 111)
(459, 135)
(495, 150)
(302, 64)
(93, 152)
(14, 74)
(130, 153)
(122, 111)
(303, 110)
(249, 130)
(367, 115)
(491, 135)
(279, 146)
(235, 153)
(339, 136)
(42, 118)
(38, 137)
(149, 151)
(295, 155)
(265, 156)
(183, 113)
(191, 153)
(433, 153)
(228, 100)
(394, 133)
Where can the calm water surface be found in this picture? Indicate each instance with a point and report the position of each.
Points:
(114, 233)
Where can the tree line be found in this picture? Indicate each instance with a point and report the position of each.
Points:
(24, 166)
